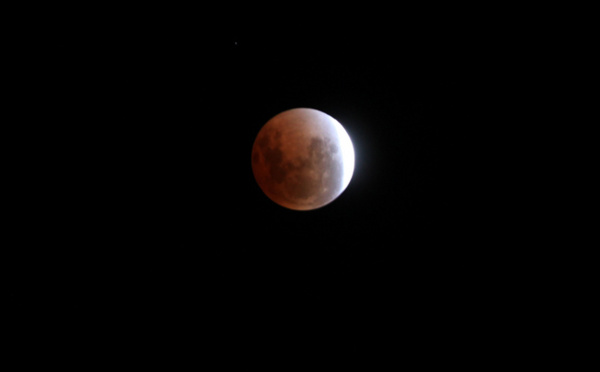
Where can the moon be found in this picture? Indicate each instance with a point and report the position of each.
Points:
(302, 159)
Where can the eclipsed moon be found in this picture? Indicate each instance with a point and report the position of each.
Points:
(303, 159)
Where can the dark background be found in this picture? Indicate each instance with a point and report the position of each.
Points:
(151, 219)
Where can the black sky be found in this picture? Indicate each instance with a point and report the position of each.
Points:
(151, 187)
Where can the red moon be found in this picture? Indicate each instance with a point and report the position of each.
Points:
(303, 159)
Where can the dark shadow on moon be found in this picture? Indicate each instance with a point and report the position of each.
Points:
(314, 178)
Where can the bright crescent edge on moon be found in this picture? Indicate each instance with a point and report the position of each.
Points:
(347, 152)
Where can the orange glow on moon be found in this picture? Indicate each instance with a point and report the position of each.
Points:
(303, 159)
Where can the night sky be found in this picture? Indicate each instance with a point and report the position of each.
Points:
(160, 221)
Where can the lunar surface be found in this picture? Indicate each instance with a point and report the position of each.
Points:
(303, 159)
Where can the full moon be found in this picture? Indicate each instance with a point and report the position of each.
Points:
(303, 159)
